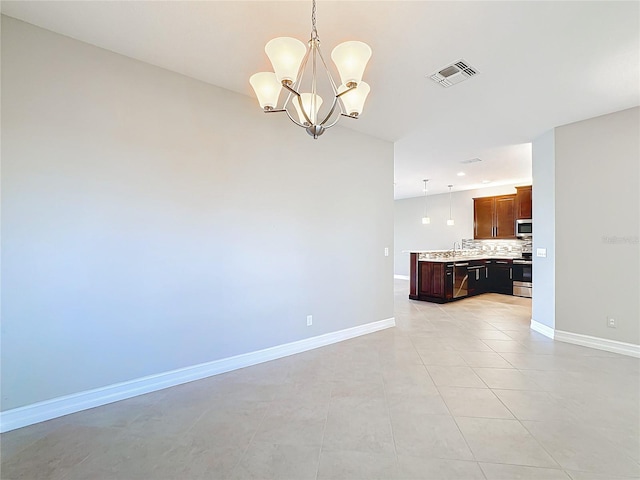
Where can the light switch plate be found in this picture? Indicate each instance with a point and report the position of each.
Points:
(541, 252)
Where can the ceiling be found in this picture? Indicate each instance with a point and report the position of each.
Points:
(540, 64)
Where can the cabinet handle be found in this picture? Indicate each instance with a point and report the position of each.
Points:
(511, 274)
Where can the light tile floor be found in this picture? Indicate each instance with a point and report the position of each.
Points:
(458, 391)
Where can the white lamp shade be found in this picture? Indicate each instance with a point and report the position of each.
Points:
(353, 101)
(267, 88)
(450, 222)
(426, 220)
(351, 59)
(310, 106)
(286, 55)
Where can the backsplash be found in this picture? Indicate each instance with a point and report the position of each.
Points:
(497, 247)
(477, 248)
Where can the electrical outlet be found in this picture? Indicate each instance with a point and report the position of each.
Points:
(386, 251)
(611, 322)
(309, 320)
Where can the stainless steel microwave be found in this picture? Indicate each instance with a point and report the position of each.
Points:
(524, 228)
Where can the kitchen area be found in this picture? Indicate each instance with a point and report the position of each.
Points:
(497, 260)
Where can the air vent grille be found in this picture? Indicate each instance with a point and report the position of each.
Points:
(465, 68)
(454, 73)
(471, 160)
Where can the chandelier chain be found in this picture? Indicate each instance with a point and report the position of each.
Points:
(314, 30)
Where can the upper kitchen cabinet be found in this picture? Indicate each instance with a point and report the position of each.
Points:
(483, 214)
(494, 217)
(523, 203)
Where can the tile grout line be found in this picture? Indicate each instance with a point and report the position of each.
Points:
(386, 401)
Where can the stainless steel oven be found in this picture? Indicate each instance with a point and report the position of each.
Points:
(522, 277)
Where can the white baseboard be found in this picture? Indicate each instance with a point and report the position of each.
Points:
(598, 343)
(614, 346)
(57, 407)
(401, 277)
(542, 328)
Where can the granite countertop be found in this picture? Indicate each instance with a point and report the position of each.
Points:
(462, 256)
(461, 259)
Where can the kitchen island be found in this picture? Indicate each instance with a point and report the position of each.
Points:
(444, 276)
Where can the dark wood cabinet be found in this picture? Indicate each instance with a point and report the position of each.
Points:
(434, 282)
(483, 213)
(500, 276)
(494, 217)
(524, 208)
(432, 279)
(478, 277)
(505, 220)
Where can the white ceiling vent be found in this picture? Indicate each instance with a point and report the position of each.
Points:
(455, 73)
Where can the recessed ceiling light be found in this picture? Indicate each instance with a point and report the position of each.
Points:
(461, 174)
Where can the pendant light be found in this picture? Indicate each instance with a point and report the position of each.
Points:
(425, 218)
(450, 222)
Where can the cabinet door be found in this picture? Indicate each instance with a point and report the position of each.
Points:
(432, 282)
(424, 284)
(472, 282)
(481, 284)
(476, 279)
(523, 202)
(448, 283)
(437, 280)
(505, 219)
(483, 213)
(501, 279)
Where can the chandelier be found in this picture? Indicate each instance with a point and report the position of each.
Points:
(291, 59)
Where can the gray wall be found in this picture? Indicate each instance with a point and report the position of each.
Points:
(598, 225)
(543, 308)
(411, 234)
(152, 222)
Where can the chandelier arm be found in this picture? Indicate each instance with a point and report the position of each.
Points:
(326, 127)
(337, 95)
(306, 117)
(347, 90)
(293, 119)
(303, 66)
(333, 85)
(333, 107)
(291, 90)
(299, 97)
